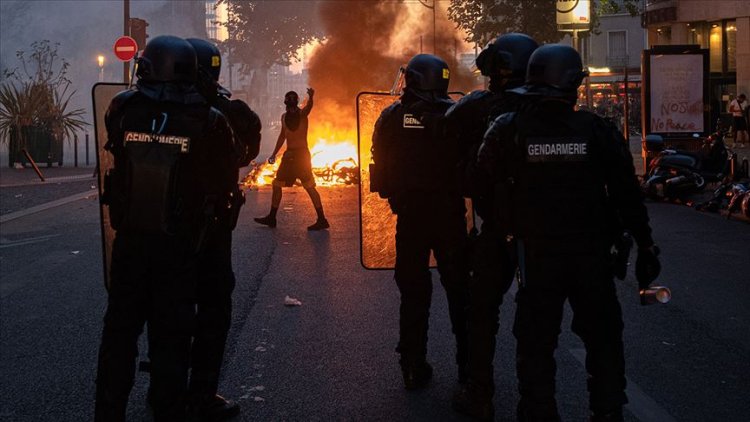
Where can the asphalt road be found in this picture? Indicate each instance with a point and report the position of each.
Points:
(332, 358)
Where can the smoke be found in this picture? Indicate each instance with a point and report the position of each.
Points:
(366, 43)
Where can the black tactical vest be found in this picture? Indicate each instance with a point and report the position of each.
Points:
(167, 176)
(553, 183)
(414, 154)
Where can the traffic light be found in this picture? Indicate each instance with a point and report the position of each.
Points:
(138, 32)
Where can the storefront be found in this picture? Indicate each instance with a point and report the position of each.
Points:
(605, 93)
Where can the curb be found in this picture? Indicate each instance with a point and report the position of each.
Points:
(49, 180)
(52, 204)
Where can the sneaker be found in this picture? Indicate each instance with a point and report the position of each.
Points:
(321, 224)
(266, 221)
(469, 401)
(213, 408)
(416, 376)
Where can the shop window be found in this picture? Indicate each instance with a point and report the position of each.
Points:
(731, 30)
(697, 34)
(715, 47)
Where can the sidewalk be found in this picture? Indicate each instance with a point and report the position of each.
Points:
(22, 189)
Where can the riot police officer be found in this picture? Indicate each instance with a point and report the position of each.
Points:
(565, 183)
(415, 170)
(215, 276)
(170, 150)
(504, 62)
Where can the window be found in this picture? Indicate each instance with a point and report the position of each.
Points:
(617, 44)
(715, 46)
(731, 29)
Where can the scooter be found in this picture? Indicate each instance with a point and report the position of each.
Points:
(675, 174)
(735, 197)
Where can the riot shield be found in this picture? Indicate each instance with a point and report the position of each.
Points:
(377, 227)
(377, 222)
(101, 96)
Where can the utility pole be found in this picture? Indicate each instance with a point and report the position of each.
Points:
(434, 22)
(126, 32)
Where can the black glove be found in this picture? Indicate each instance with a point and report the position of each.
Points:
(647, 266)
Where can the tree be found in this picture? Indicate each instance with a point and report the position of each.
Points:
(483, 20)
(264, 33)
(37, 94)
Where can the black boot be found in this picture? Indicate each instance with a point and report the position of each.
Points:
(320, 224)
(416, 374)
(474, 401)
(213, 408)
(268, 220)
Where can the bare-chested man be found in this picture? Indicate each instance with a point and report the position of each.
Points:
(295, 163)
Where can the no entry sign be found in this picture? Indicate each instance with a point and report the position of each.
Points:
(125, 48)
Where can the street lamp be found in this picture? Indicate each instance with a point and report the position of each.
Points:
(100, 60)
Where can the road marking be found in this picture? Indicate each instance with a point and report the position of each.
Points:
(28, 241)
(641, 405)
(52, 204)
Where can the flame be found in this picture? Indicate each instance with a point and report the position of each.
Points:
(334, 158)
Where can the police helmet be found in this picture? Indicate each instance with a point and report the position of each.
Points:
(209, 57)
(167, 58)
(426, 72)
(554, 70)
(507, 56)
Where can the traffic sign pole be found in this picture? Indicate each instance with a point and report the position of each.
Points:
(126, 32)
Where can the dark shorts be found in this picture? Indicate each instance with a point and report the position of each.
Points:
(295, 164)
(739, 123)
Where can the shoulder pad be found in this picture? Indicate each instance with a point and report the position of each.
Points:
(477, 95)
(215, 116)
(119, 101)
(505, 119)
(241, 107)
(469, 103)
(393, 108)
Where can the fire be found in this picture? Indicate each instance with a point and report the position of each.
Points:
(334, 158)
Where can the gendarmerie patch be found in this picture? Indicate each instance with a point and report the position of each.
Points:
(545, 150)
(412, 122)
(182, 141)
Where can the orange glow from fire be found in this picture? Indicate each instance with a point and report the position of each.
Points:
(334, 158)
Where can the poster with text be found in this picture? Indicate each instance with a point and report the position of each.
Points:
(677, 93)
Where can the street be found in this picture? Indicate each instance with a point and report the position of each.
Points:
(333, 358)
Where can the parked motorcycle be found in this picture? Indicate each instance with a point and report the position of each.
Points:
(675, 174)
(734, 197)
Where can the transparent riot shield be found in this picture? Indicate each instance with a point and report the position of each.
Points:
(101, 95)
(377, 222)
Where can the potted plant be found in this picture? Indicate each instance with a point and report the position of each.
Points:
(34, 106)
